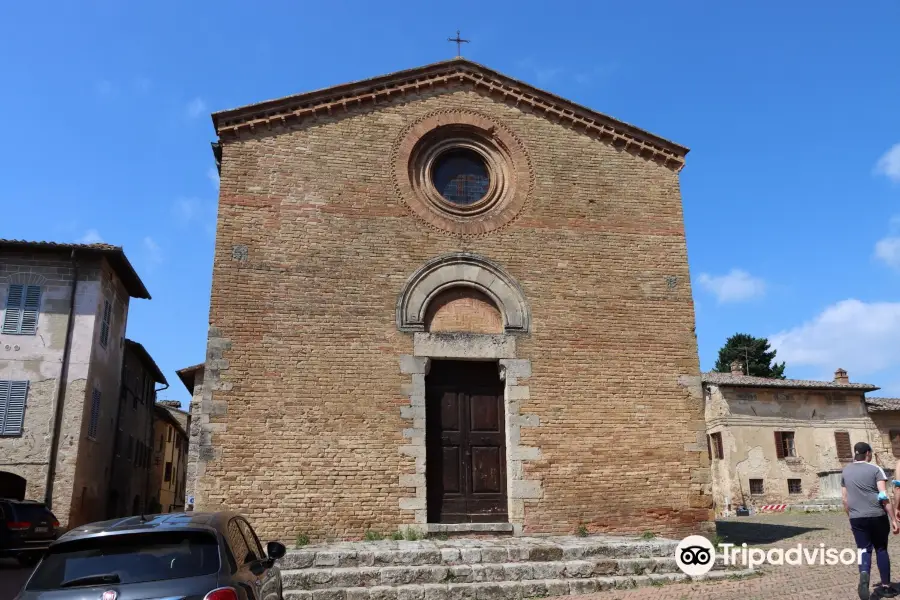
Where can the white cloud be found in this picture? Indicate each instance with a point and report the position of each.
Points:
(889, 164)
(736, 286)
(887, 250)
(153, 251)
(195, 107)
(213, 174)
(858, 336)
(186, 209)
(91, 236)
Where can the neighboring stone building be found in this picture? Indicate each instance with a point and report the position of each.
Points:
(443, 296)
(167, 478)
(192, 378)
(132, 462)
(783, 441)
(65, 308)
(885, 414)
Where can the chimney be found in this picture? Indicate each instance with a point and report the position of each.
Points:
(737, 368)
(840, 376)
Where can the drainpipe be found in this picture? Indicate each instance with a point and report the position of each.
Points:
(152, 443)
(59, 403)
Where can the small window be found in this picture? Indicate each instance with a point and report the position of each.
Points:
(842, 444)
(169, 431)
(161, 442)
(784, 444)
(23, 305)
(794, 486)
(104, 323)
(12, 406)
(718, 451)
(94, 422)
(168, 476)
(756, 487)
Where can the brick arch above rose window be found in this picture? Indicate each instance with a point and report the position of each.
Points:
(462, 270)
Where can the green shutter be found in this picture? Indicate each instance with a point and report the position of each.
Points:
(31, 310)
(95, 414)
(12, 406)
(104, 323)
(13, 314)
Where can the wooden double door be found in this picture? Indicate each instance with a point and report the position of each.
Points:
(466, 443)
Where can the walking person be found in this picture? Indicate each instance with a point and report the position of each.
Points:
(864, 492)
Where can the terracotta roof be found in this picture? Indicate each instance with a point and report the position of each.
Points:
(341, 98)
(147, 360)
(748, 381)
(115, 255)
(187, 375)
(882, 404)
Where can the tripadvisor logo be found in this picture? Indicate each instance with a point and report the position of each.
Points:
(695, 555)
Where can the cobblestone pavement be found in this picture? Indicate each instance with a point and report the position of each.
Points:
(783, 530)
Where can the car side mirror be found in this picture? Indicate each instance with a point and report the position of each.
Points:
(275, 550)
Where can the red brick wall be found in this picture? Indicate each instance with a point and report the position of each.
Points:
(309, 369)
(463, 309)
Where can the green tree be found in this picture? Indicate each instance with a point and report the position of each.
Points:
(745, 348)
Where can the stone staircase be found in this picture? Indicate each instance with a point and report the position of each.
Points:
(500, 568)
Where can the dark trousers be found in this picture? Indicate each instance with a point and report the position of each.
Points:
(869, 533)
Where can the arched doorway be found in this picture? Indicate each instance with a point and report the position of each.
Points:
(12, 486)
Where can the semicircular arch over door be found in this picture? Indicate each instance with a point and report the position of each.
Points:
(12, 486)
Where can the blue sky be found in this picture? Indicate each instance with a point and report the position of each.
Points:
(791, 190)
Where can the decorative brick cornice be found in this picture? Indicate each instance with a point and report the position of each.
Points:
(457, 72)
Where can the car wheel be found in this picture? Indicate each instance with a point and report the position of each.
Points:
(28, 560)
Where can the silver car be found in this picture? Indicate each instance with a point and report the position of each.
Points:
(184, 556)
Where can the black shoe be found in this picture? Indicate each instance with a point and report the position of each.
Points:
(863, 587)
(886, 591)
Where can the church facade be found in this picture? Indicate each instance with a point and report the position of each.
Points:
(445, 299)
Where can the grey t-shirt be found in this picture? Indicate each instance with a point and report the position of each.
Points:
(861, 480)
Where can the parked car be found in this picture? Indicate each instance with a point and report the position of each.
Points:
(189, 556)
(26, 530)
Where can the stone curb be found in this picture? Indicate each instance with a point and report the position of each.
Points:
(507, 590)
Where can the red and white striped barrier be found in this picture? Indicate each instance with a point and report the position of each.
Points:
(773, 508)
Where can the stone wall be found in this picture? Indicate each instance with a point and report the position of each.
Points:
(300, 424)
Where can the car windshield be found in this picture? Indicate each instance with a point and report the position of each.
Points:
(130, 558)
(32, 513)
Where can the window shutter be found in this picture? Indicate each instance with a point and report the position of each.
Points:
(32, 308)
(709, 446)
(4, 400)
(15, 408)
(13, 315)
(719, 446)
(779, 445)
(104, 323)
(95, 414)
(842, 443)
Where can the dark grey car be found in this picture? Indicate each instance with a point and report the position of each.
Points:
(177, 556)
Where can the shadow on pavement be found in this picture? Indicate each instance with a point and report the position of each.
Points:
(759, 533)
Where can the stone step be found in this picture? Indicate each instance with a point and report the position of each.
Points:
(506, 590)
(345, 577)
(473, 551)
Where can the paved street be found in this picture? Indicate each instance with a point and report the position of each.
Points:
(12, 578)
(775, 582)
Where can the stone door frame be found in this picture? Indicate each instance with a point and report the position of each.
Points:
(437, 275)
